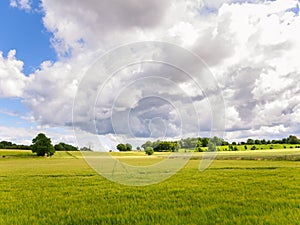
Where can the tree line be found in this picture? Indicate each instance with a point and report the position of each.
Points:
(201, 144)
(41, 145)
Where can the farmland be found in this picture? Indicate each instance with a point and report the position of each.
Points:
(247, 187)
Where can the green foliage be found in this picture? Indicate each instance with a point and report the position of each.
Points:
(199, 146)
(147, 144)
(128, 147)
(189, 142)
(65, 147)
(10, 145)
(250, 141)
(166, 146)
(41, 145)
(211, 147)
(292, 140)
(124, 147)
(149, 151)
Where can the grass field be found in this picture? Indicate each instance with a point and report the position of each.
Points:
(253, 187)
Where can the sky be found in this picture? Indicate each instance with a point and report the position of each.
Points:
(128, 71)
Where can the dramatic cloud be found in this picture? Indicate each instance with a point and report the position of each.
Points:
(250, 49)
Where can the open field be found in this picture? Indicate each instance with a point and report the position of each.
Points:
(65, 190)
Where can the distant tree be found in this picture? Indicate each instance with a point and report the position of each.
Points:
(41, 145)
(250, 141)
(147, 144)
(234, 143)
(65, 147)
(257, 142)
(138, 148)
(199, 146)
(85, 149)
(149, 151)
(122, 147)
(217, 141)
(128, 147)
(292, 140)
(189, 142)
(211, 147)
(205, 142)
(166, 146)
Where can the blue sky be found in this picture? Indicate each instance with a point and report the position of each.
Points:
(25, 32)
(251, 47)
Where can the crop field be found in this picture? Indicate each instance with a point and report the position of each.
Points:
(249, 187)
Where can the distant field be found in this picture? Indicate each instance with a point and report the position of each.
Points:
(250, 187)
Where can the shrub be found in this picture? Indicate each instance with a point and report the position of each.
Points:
(149, 151)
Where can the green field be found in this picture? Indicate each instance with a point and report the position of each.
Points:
(250, 187)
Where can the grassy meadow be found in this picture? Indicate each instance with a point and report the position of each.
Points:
(249, 187)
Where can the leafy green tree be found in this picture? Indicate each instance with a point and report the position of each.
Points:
(250, 141)
(199, 146)
(147, 144)
(292, 139)
(149, 151)
(211, 147)
(205, 142)
(41, 145)
(257, 142)
(128, 147)
(166, 146)
(65, 147)
(122, 147)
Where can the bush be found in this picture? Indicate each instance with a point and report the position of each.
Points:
(149, 151)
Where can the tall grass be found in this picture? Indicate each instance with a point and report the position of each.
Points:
(64, 190)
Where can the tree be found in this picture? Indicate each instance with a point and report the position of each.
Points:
(250, 141)
(147, 144)
(198, 146)
(122, 147)
(128, 147)
(257, 142)
(211, 147)
(166, 146)
(205, 142)
(41, 145)
(65, 147)
(149, 151)
(292, 139)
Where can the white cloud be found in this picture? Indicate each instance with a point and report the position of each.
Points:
(21, 135)
(12, 80)
(22, 4)
(251, 48)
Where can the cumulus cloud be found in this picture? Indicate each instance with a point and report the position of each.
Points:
(12, 80)
(251, 48)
